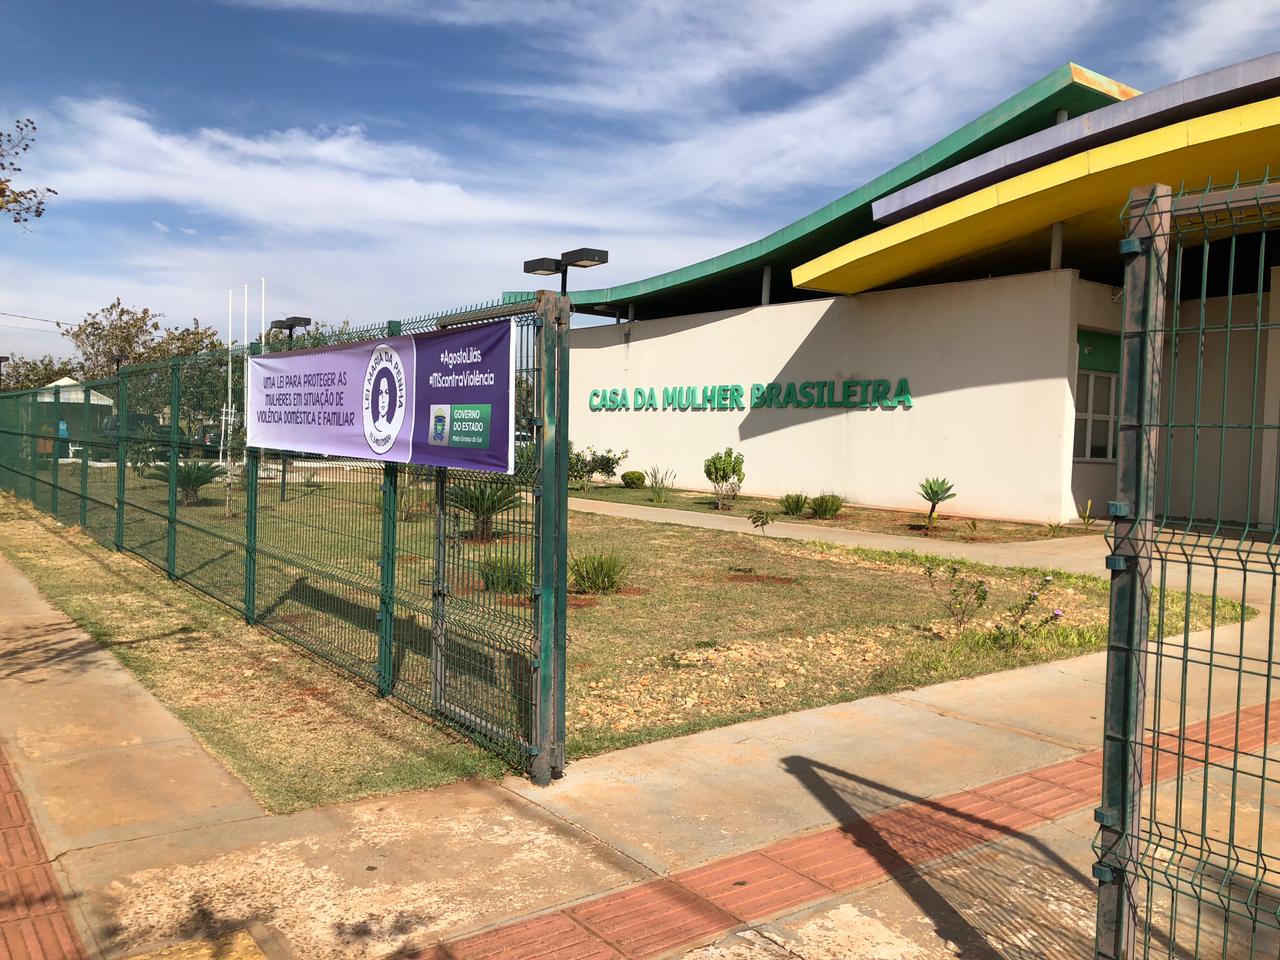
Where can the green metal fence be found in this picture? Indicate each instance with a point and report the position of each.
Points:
(444, 588)
(1188, 845)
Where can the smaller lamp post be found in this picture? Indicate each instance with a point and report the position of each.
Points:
(582, 257)
(290, 324)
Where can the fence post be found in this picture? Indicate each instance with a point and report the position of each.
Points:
(54, 472)
(548, 759)
(122, 451)
(387, 591)
(86, 416)
(251, 460)
(439, 591)
(564, 312)
(1145, 249)
(171, 532)
(33, 448)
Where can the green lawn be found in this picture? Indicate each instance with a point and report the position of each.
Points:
(868, 519)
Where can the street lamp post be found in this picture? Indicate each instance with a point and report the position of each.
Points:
(290, 324)
(582, 257)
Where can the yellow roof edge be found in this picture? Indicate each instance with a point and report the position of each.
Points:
(1069, 175)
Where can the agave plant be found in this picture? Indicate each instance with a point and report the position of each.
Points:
(191, 476)
(935, 490)
(484, 501)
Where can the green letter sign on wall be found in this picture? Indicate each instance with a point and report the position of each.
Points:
(822, 394)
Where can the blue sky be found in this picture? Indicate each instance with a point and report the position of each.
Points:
(379, 158)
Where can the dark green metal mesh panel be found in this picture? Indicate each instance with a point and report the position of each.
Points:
(1196, 868)
(430, 583)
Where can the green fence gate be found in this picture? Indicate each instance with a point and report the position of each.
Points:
(1188, 845)
(444, 588)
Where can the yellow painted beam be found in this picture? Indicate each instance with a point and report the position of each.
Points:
(1243, 140)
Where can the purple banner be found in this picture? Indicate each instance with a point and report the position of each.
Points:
(446, 399)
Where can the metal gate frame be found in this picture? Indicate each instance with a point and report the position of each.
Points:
(1142, 530)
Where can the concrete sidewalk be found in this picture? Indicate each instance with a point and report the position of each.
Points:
(1075, 554)
(156, 843)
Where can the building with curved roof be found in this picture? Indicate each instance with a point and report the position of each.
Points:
(976, 284)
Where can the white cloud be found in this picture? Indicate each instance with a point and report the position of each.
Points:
(1204, 34)
(324, 180)
(711, 113)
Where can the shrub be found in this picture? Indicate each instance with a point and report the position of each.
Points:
(579, 462)
(660, 483)
(1055, 528)
(484, 501)
(633, 479)
(505, 574)
(191, 476)
(761, 519)
(962, 597)
(597, 572)
(793, 504)
(935, 490)
(603, 463)
(826, 506)
(724, 470)
(1025, 617)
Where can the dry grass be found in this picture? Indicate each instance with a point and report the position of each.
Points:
(711, 628)
(296, 731)
(712, 632)
(903, 523)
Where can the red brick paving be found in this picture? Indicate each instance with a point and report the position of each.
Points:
(34, 924)
(752, 886)
(697, 906)
(553, 935)
(651, 919)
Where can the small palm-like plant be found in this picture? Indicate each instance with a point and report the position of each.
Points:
(484, 501)
(793, 504)
(597, 572)
(191, 476)
(935, 490)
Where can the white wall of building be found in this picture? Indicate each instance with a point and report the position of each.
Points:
(991, 365)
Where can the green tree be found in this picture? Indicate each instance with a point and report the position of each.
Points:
(114, 331)
(26, 373)
(19, 205)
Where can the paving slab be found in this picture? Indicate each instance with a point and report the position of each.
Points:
(362, 879)
(99, 757)
(683, 802)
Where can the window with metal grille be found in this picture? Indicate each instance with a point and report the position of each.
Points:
(1095, 438)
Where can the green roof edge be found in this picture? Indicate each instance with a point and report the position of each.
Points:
(1054, 82)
